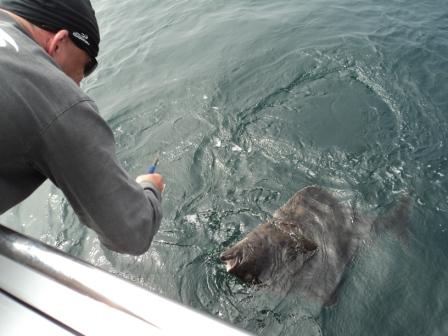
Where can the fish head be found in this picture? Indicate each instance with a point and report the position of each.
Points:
(259, 257)
(248, 259)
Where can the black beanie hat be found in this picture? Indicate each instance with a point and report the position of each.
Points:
(76, 16)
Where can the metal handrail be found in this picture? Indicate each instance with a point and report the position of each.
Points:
(92, 300)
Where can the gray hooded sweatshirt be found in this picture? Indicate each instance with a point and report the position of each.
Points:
(50, 129)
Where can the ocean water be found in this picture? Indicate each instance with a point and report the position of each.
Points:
(249, 101)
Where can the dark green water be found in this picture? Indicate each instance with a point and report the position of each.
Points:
(249, 101)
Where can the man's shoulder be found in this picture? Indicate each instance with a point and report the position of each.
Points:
(27, 69)
(34, 85)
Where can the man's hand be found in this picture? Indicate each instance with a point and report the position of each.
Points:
(155, 179)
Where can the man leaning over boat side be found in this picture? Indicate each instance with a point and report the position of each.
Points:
(50, 129)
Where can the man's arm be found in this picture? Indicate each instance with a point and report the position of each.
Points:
(77, 152)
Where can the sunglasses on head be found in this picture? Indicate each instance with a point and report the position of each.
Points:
(90, 67)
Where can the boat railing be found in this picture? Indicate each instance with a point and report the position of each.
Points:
(82, 299)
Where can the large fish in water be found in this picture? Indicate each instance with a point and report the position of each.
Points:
(307, 244)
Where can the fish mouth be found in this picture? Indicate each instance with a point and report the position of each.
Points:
(230, 265)
(231, 262)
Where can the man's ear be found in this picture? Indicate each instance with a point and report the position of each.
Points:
(56, 42)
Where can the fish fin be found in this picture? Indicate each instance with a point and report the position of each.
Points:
(396, 220)
(334, 297)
